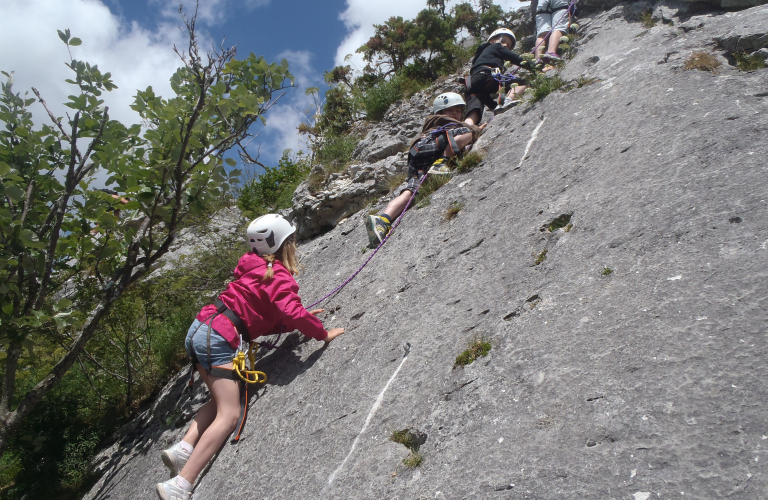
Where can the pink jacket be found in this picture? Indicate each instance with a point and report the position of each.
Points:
(263, 307)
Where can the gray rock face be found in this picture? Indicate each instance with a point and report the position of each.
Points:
(648, 381)
(345, 193)
(225, 223)
(591, 5)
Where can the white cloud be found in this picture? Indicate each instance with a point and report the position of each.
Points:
(30, 47)
(208, 11)
(361, 15)
(284, 118)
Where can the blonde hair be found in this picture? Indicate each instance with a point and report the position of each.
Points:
(286, 254)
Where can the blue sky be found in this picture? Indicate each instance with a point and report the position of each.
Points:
(133, 39)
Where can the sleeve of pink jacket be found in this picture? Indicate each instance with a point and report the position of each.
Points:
(283, 290)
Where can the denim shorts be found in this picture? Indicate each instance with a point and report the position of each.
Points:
(196, 345)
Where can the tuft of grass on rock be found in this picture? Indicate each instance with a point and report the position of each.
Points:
(702, 61)
(432, 184)
(568, 228)
(477, 347)
(413, 460)
(453, 210)
(606, 271)
(583, 81)
(540, 258)
(647, 20)
(406, 438)
(469, 161)
(542, 85)
(746, 62)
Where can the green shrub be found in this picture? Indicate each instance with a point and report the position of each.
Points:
(273, 189)
(378, 98)
(335, 152)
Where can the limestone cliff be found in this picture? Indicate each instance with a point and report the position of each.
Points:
(629, 346)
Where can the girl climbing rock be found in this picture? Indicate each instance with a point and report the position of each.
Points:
(260, 301)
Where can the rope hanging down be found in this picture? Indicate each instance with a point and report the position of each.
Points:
(397, 221)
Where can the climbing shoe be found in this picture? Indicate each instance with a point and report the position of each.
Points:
(551, 57)
(440, 167)
(174, 458)
(378, 229)
(508, 104)
(169, 490)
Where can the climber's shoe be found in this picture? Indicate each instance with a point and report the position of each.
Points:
(174, 458)
(551, 57)
(440, 167)
(169, 490)
(378, 229)
(509, 104)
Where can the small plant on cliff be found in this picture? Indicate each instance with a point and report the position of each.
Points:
(583, 81)
(432, 184)
(746, 62)
(606, 271)
(469, 161)
(413, 460)
(702, 61)
(542, 85)
(647, 20)
(476, 348)
(540, 258)
(412, 441)
(453, 210)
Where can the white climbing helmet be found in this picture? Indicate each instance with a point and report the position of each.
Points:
(268, 232)
(447, 100)
(504, 31)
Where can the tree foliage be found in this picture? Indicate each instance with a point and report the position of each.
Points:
(57, 229)
(273, 189)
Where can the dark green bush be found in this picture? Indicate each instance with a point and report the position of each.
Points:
(273, 189)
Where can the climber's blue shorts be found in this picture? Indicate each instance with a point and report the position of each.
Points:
(197, 346)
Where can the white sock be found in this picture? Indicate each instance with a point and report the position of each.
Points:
(183, 483)
(188, 448)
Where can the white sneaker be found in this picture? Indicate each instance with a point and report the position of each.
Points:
(169, 490)
(174, 458)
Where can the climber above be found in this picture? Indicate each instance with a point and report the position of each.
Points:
(486, 75)
(552, 19)
(442, 136)
(262, 298)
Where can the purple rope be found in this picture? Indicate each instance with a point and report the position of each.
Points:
(397, 221)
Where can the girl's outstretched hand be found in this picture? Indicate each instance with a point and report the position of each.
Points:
(332, 334)
(315, 312)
